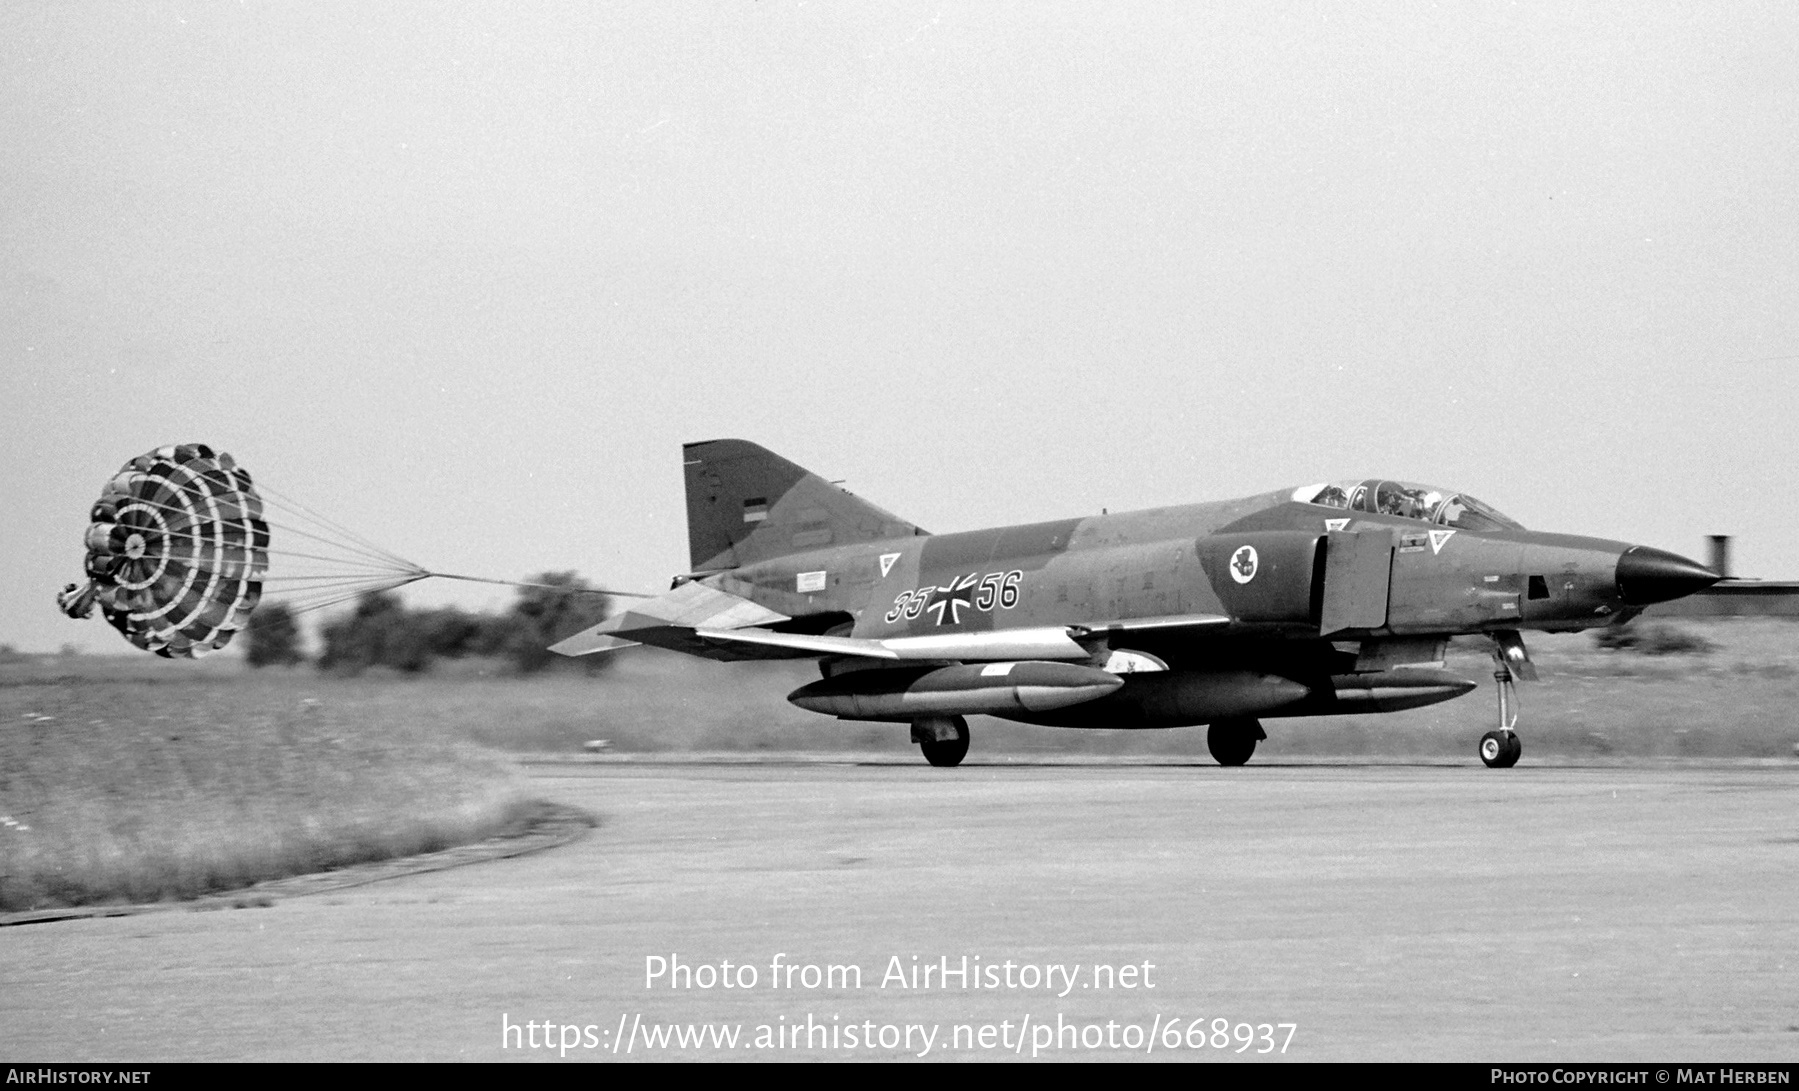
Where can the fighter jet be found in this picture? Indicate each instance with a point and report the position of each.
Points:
(1323, 600)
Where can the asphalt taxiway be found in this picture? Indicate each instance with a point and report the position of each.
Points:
(1440, 912)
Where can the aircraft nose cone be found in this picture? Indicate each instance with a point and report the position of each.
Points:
(1648, 575)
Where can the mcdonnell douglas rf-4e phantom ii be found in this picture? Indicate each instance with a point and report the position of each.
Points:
(1321, 600)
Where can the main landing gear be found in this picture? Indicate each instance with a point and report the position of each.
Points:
(944, 739)
(1233, 741)
(1500, 749)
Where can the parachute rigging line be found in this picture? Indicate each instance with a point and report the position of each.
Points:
(179, 554)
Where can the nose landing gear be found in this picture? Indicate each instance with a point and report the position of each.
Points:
(1501, 749)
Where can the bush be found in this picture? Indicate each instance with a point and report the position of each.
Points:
(542, 616)
(273, 636)
(452, 633)
(1652, 638)
(381, 632)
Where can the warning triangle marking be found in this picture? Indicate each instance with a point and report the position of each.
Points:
(887, 560)
(1437, 538)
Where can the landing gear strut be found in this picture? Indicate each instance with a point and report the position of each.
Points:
(1233, 741)
(1500, 749)
(944, 739)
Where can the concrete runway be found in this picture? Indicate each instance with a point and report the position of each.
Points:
(1391, 912)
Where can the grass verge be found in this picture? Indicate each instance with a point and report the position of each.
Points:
(140, 791)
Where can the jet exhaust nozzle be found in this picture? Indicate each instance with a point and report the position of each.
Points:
(1647, 575)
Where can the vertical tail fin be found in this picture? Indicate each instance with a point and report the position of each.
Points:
(746, 504)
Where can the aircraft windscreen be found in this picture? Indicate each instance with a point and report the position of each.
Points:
(1407, 501)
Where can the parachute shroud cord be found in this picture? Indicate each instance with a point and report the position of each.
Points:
(199, 517)
(386, 566)
(544, 586)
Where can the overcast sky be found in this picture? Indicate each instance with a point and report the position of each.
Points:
(465, 276)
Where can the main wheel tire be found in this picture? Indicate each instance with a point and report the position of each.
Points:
(1500, 749)
(1232, 742)
(943, 753)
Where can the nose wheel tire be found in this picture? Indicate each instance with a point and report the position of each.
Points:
(1500, 749)
(1233, 741)
(943, 739)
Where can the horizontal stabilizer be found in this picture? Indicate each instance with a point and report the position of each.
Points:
(688, 607)
(591, 641)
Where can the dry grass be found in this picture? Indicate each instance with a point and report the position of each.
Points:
(146, 790)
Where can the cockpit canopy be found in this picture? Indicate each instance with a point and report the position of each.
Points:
(1407, 500)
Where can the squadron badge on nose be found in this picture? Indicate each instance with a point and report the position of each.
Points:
(1243, 564)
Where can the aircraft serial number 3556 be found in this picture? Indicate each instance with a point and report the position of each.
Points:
(995, 588)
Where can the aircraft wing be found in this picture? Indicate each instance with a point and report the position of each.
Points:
(714, 624)
(1043, 642)
(1162, 625)
(1049, 642)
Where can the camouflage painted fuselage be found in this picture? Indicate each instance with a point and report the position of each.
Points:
(1176, 561)
(1312, 601)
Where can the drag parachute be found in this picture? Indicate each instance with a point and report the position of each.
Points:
(176, 551)
(179, 554)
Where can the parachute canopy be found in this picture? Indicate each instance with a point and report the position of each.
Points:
(176, 551)
(178, 555)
